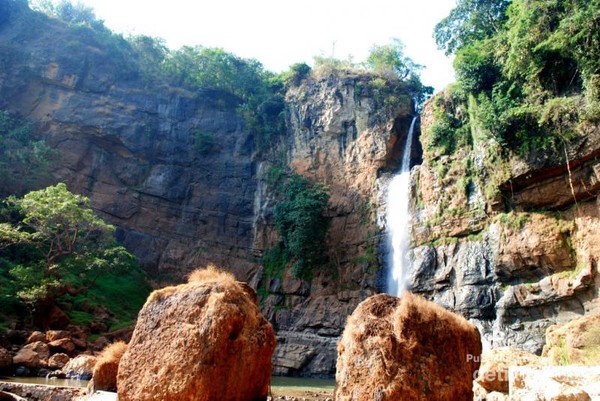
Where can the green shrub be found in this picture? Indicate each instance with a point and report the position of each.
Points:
(301, 222)
(52, 245)
(25, 162)
(204, 142)
(296, 74)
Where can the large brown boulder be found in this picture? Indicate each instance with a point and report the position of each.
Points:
(201, 341)
(107, 366)
(574, 343)
(58, 361)
(64, 345)
(406, 349)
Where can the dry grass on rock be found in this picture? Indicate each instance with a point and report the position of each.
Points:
(406, 349)
(107, 365)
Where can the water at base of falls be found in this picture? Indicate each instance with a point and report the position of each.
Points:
(398, 217)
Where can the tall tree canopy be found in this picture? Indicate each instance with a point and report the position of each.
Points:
(51, 234)
(469, 21)
(390, 59)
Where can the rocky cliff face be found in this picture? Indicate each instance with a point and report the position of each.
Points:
(340, 134)
(509, 243)
(133, 148)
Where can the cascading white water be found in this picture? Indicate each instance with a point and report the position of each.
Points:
(398, 217)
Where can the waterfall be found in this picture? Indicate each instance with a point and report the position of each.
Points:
(259, 202)
(398, 217)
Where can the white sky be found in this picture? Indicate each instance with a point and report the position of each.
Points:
(279, 33)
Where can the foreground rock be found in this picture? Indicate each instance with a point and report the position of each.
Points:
(80, 367)
(577, 342)
(406, 349)
(107, 365)
(35, 392)
(205, 340)
(493, 372)
(556, 383)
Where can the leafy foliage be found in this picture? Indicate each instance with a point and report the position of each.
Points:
(296, 73)
(25, 162)
(204, 142)
(215, 68)
(52, 234)
(470, 21)
(450, 129)
(390, 59)
(302, 225)
(72, 13)
(530, 67)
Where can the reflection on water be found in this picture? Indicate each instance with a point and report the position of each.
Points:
(298, 386)
(51, 381)
(279, 385)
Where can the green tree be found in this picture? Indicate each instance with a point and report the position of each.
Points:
(301, 222)
(390, 60)
(65, 241)
(469, 21)
(72, 13)
(151, 54)
(214, 68)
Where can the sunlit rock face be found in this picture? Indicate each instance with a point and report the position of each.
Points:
(406, 349)
(509, 243)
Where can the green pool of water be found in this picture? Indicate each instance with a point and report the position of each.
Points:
(297, 386)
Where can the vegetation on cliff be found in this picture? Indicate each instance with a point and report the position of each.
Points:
(528, 75)
(528, 91)
(302, 227)
(25, 161)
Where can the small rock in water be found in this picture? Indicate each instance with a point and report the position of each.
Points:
(22, 371)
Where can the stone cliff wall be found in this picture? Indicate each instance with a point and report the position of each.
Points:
(507, 242)
(131, 146)
(339, 134)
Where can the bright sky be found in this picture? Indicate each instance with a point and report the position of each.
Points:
(279, 33)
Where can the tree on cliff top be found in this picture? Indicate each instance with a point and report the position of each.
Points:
(390, 60)
(469, 21)
(55, 242)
